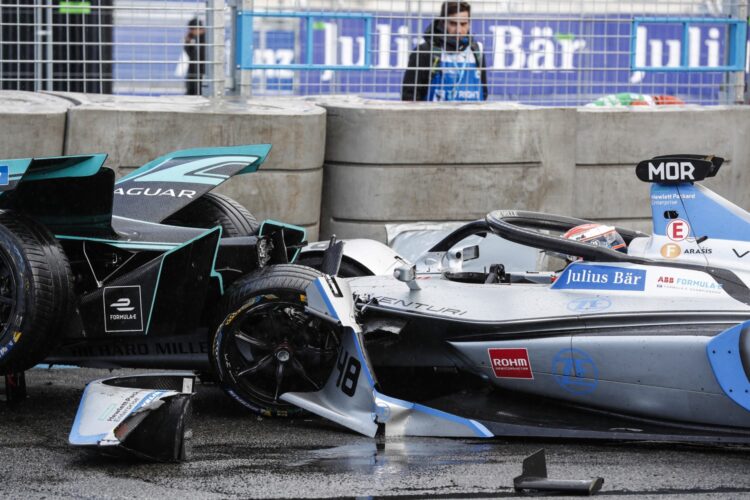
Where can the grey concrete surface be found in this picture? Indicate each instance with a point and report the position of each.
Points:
(135, 130)
(391, 162)
(235, 455)
(287, 196)
(394, 162)
(31, 124)
(609, 142)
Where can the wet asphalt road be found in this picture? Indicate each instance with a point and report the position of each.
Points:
(239, 456)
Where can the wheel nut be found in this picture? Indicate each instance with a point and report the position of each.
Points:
(283, 356)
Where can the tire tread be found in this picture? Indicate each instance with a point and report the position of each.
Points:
(214, 209)
(50, 289)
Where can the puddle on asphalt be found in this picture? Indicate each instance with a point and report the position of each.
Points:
(374, 456)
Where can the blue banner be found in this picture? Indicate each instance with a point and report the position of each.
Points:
(546, 59)
(588, 277)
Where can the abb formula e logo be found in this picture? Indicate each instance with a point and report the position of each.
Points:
(510, 363)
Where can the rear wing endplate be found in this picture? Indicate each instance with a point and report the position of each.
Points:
(676, 169)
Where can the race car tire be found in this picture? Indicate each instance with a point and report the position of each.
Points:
(36, 292)
(214, 209)
(266, 344)
(347, 269)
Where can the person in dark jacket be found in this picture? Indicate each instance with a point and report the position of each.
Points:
(449, 64)
(195, 48)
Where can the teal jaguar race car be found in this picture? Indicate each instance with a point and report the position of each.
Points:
(137, 271)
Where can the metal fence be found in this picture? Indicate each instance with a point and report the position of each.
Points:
(112, 46)
(543, 52)
(561, 52)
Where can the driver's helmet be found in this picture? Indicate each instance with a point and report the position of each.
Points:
(598, 235)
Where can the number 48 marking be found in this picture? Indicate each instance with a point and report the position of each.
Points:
(349, 368)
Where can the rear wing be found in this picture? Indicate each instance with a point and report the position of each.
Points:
(12, 172)
(676, 169)
(66, 193)
(693, 223)
(165, 185)
(78, 195)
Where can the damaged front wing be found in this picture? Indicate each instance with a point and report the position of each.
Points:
(147, 416)
(350, 397)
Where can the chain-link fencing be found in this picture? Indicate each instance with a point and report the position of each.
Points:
(147, 47)
(550, 52)
(560, 52)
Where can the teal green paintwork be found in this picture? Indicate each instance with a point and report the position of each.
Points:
(17, 167)
(31, 169)
(255, 166)
(84, 166)
(282, 224)
(161, 265)
(214, 273)
(288, 226)
(127, 245)
(39, 169)
(259, 150)
(178, 172)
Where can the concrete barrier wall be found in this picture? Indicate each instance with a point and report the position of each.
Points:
(136, 130)
(610, 142)
(389, 162)
(397, 162)
(31, 124)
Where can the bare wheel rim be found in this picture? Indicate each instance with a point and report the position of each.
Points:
(274, 347)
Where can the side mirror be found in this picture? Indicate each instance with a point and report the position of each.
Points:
(407, 274)
(470, 253)
(454, 259)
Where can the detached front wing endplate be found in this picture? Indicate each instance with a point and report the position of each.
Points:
(147, 416)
